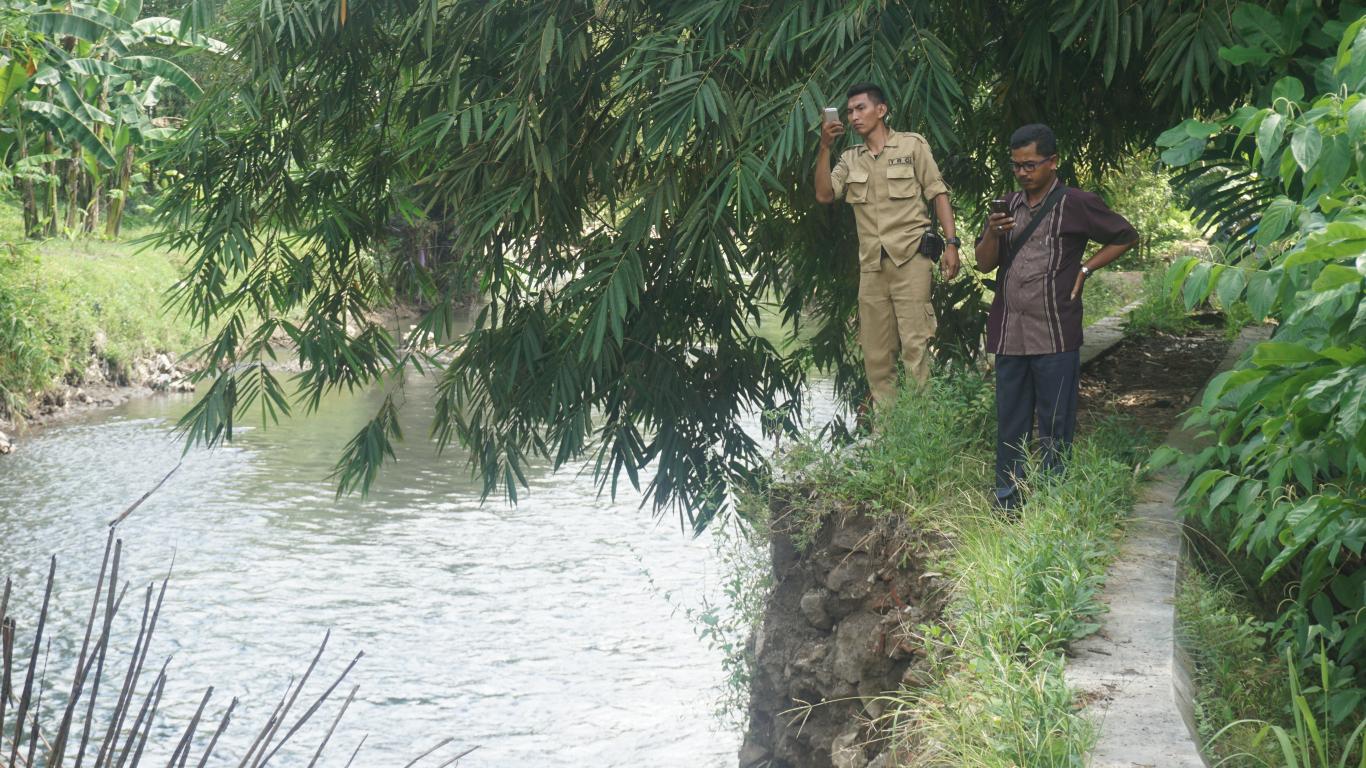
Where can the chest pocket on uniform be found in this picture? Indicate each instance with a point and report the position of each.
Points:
(901, 181)
(857, 186)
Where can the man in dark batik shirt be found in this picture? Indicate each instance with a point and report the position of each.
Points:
(1034, 328)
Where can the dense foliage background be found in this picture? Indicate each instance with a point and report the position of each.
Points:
(626, 183)
(1281, 487)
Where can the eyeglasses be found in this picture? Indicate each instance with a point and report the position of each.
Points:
(1029, 165)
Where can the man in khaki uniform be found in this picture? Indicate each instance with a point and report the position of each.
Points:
(890, 179)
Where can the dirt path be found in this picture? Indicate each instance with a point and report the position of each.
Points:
(1151, 379)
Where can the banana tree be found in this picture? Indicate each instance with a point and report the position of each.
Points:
(85, 85)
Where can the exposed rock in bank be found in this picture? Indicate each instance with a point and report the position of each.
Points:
(836, 634)
(100, 384)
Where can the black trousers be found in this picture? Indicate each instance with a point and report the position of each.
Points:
(1030, 386)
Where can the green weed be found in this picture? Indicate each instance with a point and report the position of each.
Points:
(1160, 310)
(1234, 681)
(1309, 742)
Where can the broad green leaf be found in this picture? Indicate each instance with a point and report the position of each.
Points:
(1230, 286)
(1197, 284)
(1270, 134)
(1306, 144)
(1335, 276)
(1288, 88)
(1184, 153)
(163, 68)
(1275, 219)
(1355, 34)
(1239, 55)
(1356, 121)
(71, 128)
(1282, 353)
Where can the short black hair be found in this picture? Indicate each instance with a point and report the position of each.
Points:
(873, 90)
(1038, 134)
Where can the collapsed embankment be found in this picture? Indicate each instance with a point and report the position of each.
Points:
(907, 623)
(837, 634)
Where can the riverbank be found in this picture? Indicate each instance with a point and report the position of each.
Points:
(950, 650)
(85, 324)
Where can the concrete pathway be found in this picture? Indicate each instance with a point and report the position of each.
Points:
(1127, 673)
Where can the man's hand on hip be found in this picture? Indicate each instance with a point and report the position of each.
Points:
(1077, 286)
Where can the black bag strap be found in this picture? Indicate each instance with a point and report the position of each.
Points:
(1014, 244)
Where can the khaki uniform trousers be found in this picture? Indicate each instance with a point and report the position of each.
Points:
(894, 309)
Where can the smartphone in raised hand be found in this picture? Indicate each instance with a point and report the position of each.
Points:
(1000, 206)
(832, 115)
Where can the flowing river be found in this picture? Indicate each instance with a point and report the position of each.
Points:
(552, 633)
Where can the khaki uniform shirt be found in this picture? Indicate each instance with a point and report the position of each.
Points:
(889, 193)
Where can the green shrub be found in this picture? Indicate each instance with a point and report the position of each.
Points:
(1141, 191)
(1228, 645)
(1281, 487)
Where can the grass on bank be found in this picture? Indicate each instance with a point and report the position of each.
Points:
(1022, 590)
(62, 300)
(1251, 710)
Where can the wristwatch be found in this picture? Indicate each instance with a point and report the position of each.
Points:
(953, 241)
(1085, 270)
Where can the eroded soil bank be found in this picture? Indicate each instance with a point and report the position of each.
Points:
(851, 586)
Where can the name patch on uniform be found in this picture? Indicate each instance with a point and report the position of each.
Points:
(900, 160)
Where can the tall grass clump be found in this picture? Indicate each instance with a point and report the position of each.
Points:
(1235, 681)
(1023, 590)
(1160, 310)
(992, 693)
(927, 452)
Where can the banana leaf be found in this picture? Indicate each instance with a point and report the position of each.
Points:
(12, 78)
(71, 128)
(165, 69)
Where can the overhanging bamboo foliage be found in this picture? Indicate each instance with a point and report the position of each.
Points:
(627, 184)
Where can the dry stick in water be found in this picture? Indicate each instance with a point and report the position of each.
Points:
(58, 751)
(456, 759)
(357, 752)
(328, 737)
(213, 741)
(126, 692)
(101, 649)
(38, 706)
(144, 714)
(7, 652)
(146, 646)
(183, 748)
(439, 745)
(158, 687)
(258, 742)
(304, 680)
(144, 497)
(111, 608)
(22, 711)
(314, 708)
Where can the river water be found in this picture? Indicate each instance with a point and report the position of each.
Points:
(552, 633)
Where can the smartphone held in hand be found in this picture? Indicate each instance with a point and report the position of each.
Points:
(1001, 207)
(832, 115)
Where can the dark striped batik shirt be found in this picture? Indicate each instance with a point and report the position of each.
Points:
(1035, 314)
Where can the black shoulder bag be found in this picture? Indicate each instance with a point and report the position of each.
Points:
(1014, 244)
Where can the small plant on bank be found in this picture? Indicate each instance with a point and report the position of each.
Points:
(1310, 742)
(992, 694)
(1160, 310)
(1234, 682)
